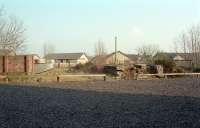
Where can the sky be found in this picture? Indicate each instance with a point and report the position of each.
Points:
(76, 25)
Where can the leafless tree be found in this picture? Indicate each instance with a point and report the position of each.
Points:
(147, 52)
(48, 48)
(180, 43)
(11, 34)
(189, 42)
(100, 48)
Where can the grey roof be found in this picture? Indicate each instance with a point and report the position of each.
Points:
(64, 56)
(104, 57)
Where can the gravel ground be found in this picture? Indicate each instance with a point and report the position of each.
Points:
(172, 103)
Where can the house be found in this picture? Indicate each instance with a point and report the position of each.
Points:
(184, 60)
(118, 58)
(67, 59)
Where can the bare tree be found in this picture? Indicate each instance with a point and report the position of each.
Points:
(48, 48)
(189, 42)
(147, 52)
(180, 44)
(11, 34)
(100, 48)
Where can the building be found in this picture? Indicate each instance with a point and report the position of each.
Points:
(118, 58)
(184, 60)
(67, 59)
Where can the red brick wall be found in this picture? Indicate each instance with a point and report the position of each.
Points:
(17, 64)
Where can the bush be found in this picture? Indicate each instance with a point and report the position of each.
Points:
(167, 63)
(110, 70)
(87, 68)
(196, 70)
(151, 69)
(178, 70)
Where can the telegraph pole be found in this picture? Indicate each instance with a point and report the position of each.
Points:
(115, 50)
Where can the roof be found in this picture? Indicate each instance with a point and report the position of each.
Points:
(67, 56)
(186, 56)
(101, 59)
(113, 53)
(132, 57)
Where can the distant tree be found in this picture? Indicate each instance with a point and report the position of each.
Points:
(12, 35)
(48, 48)
(167, 63)
(189, 42)
(100, 48)
(147, 52)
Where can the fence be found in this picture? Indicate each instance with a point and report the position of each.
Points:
(39, 68)
(171, 74)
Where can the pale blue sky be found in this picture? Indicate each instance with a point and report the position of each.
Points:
(75, 25)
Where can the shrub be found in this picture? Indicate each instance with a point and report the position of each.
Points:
(110, 70)
(178, 70)
(196, 70)
(167, 63)
(87, 68)
(151, 69)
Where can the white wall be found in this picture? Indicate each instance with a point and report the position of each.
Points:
(83, 59)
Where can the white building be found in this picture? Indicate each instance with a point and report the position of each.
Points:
(67, 59)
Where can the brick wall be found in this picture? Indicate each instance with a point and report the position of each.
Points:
(17, 64)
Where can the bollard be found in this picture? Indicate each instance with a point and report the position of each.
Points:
(58, 79)
(104, 78)
(6, 79)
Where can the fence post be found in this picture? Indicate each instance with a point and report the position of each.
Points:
(58, 79)
(5, 64)
(25, 64)
(104, 78)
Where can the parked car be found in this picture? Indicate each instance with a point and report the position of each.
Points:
(112, 70)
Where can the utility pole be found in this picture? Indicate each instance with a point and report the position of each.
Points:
(115, 50)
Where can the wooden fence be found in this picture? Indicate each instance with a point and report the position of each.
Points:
(63, 78)
(171, 74)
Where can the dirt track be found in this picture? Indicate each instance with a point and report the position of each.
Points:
(173, 103)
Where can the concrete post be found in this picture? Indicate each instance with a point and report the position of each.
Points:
(5, 64)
